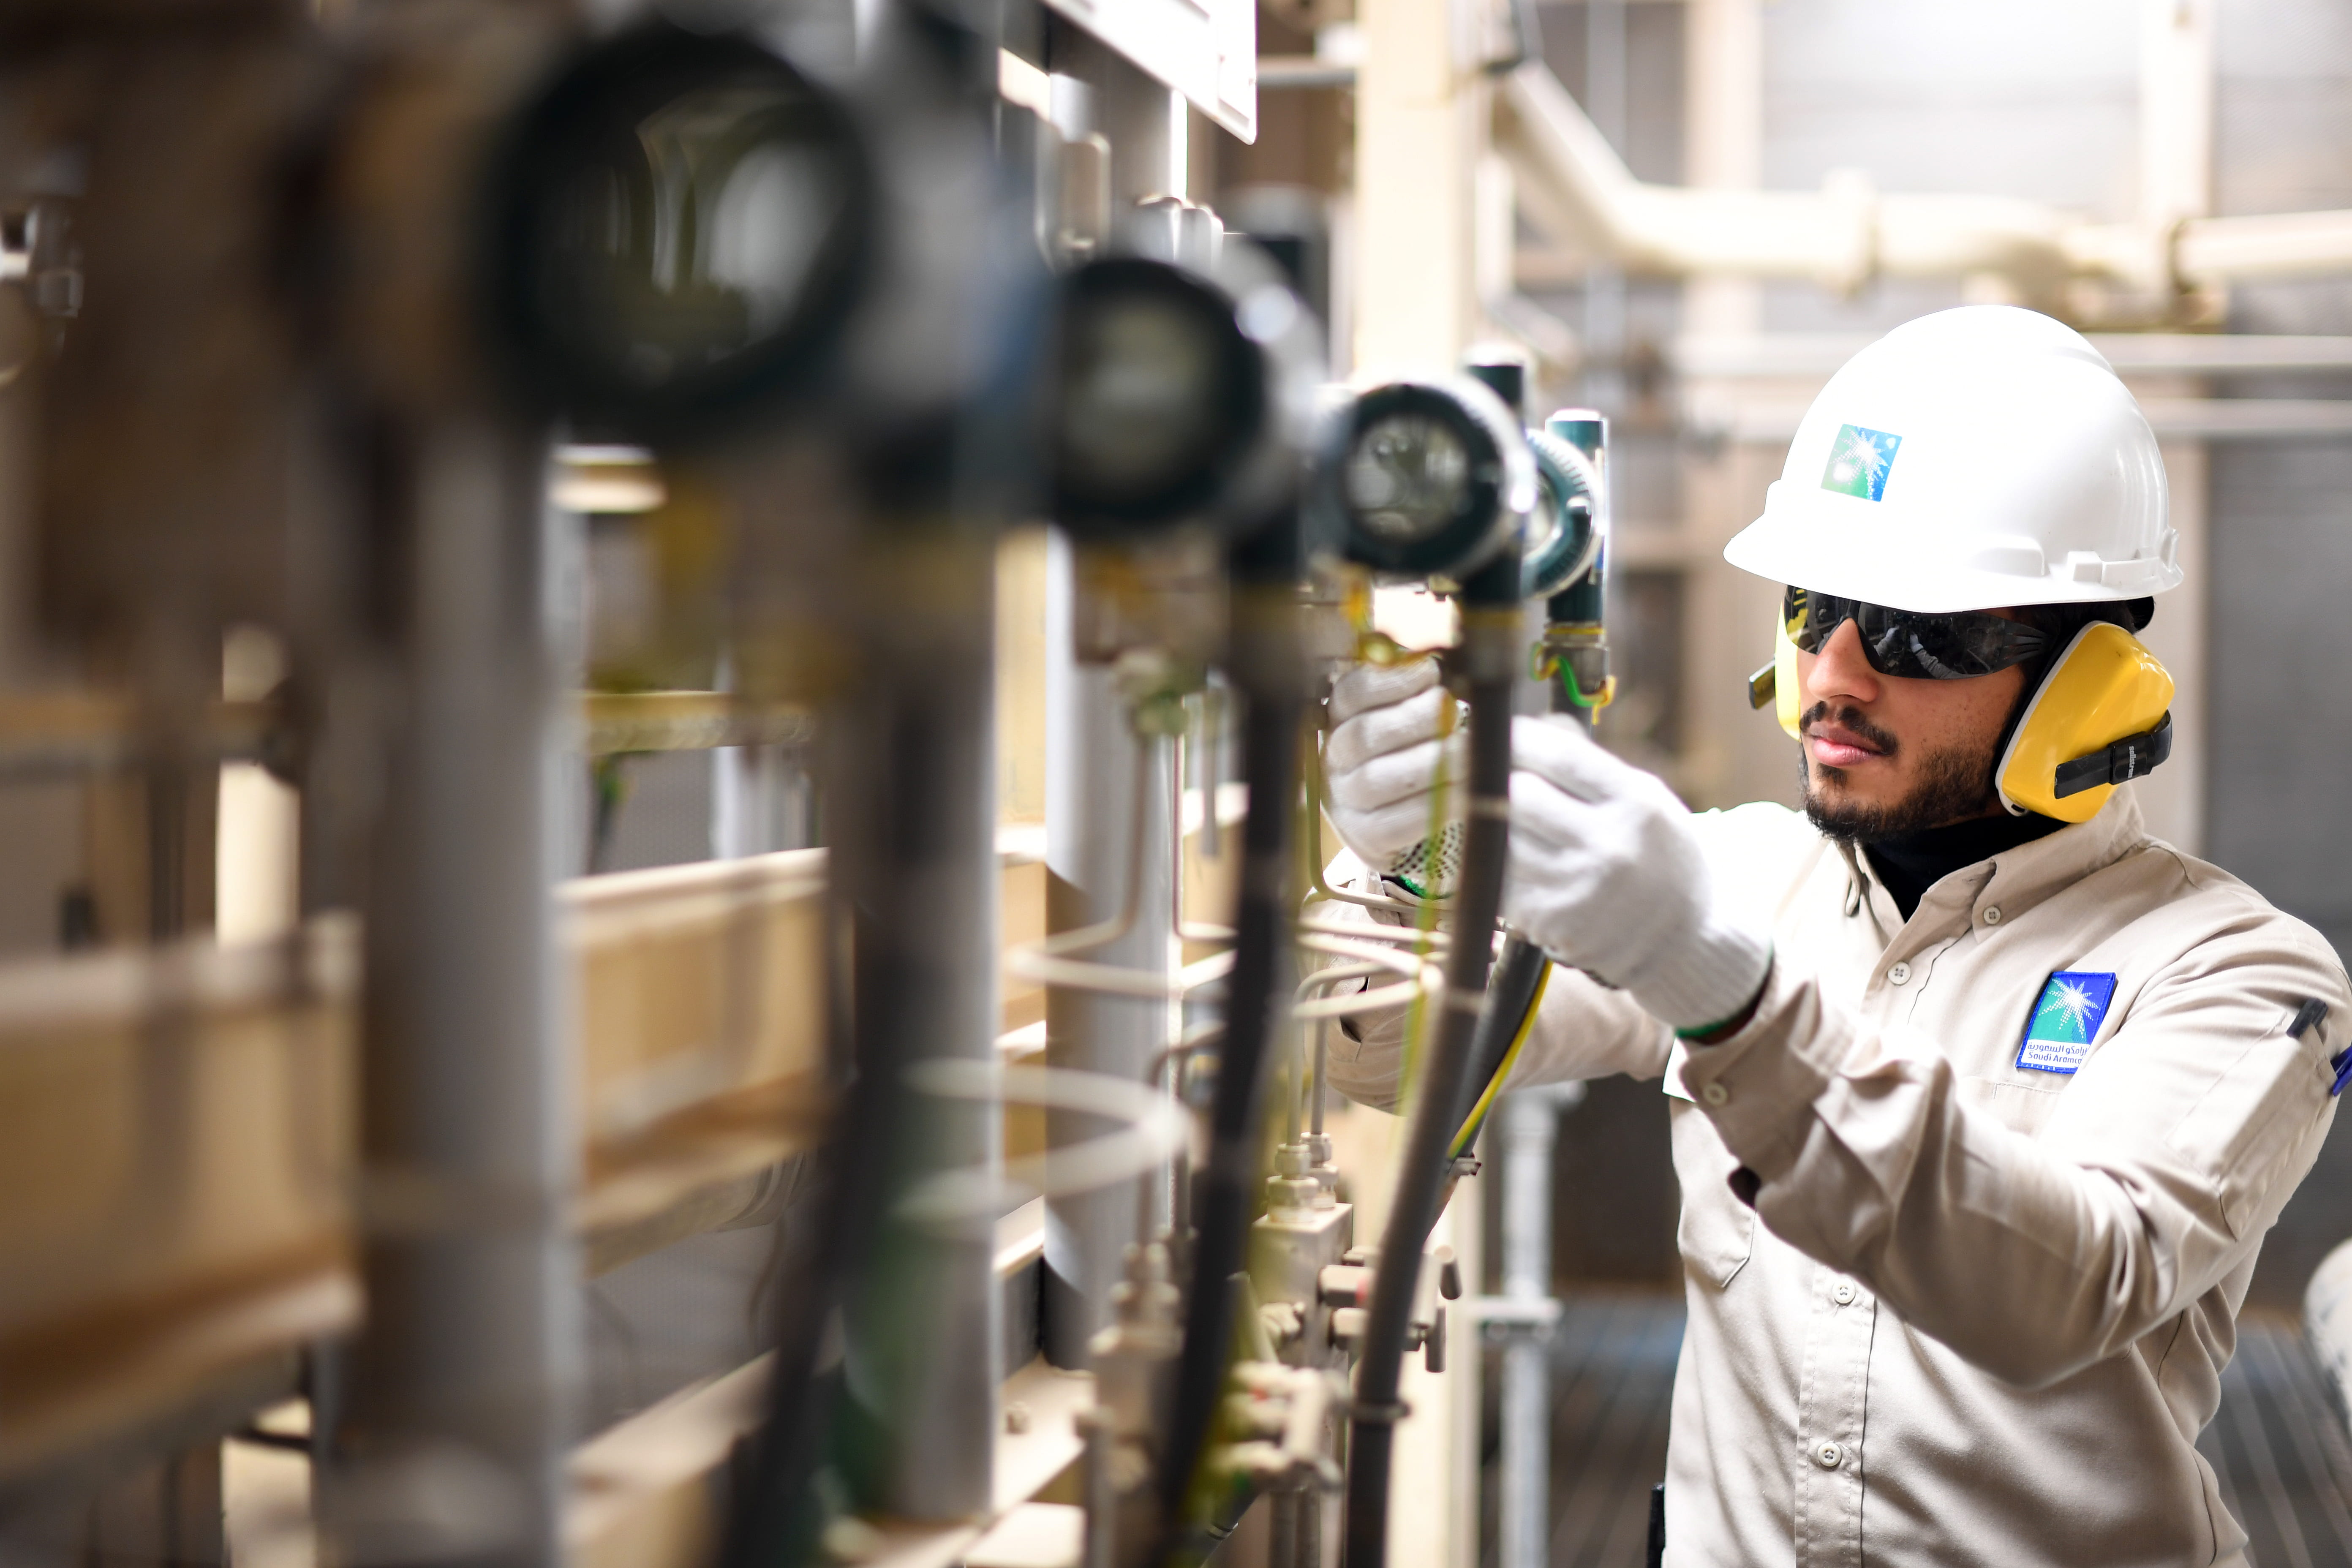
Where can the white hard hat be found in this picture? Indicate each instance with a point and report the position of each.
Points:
(1969, 460)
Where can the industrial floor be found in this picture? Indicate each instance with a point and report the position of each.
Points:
(2282, 1456)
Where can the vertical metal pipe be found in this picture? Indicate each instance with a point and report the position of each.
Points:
(1282, 1536)
(908, 1417)
(914, 847)
(735, 801)
(1090, 755)
(1530, 1120)
(1097, 870)
(1605, 91)
(458, 1414)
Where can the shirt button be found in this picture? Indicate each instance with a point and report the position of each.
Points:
(1829, 1456)
(1843, 1294)
(1992, 914)
(1715, 1094)
(1896, 973)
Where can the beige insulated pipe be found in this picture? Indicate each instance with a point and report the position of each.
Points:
(1574, 186)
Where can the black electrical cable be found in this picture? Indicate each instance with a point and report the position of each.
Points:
(1224, 1188)
(897, 742)
(1519, 967)
(1491, 642)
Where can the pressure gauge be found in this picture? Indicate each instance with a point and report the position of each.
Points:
(1175, 395)
(1432, 479)
(677, 231)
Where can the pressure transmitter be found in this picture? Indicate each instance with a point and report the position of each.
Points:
(1176, 393)
(1430, 479)
(679, 229)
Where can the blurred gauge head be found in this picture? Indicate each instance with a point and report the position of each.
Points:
(1430, 478)
(1175, 395)
(677, 230)
(1159, 395)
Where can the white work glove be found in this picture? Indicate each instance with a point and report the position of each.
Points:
(1607, 876)
(1393, 729)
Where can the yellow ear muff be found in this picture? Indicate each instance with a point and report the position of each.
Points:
(2099, 719)
(1776, 684)
(1786, 698)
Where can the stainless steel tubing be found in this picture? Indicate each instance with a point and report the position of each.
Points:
(1108, 851)
(1282, 1529)
(460, 1395)
(1530, 1122)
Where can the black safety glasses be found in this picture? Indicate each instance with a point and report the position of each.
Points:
(1907, 643)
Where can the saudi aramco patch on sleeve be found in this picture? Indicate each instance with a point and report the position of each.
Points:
(2065, 1021)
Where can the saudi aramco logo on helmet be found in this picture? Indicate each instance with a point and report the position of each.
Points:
(1859, 461)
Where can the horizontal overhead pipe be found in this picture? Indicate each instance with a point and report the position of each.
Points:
(1571, 181)
(2264, 246)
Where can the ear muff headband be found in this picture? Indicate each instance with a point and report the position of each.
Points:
(2100, 718)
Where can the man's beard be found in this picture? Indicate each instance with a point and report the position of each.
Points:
(1955, 785)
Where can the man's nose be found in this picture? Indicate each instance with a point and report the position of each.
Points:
(1839, 670)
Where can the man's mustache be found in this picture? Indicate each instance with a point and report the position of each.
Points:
(1851, 719)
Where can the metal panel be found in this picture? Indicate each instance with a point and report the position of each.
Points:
(1205, 49)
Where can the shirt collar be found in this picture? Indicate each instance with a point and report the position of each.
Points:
(2016, 878)
(2025, 876)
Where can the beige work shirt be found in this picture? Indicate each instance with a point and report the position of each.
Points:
(1986, 1311)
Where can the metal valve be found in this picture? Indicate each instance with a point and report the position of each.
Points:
(1345, 1286)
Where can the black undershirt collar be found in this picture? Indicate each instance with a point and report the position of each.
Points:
(1909, 864)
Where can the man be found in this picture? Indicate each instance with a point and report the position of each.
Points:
(1980, 1115)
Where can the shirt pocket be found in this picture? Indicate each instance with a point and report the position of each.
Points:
(1718, 1231)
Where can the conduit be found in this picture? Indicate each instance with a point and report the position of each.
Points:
(1226, 1183)
(1447, 1085)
